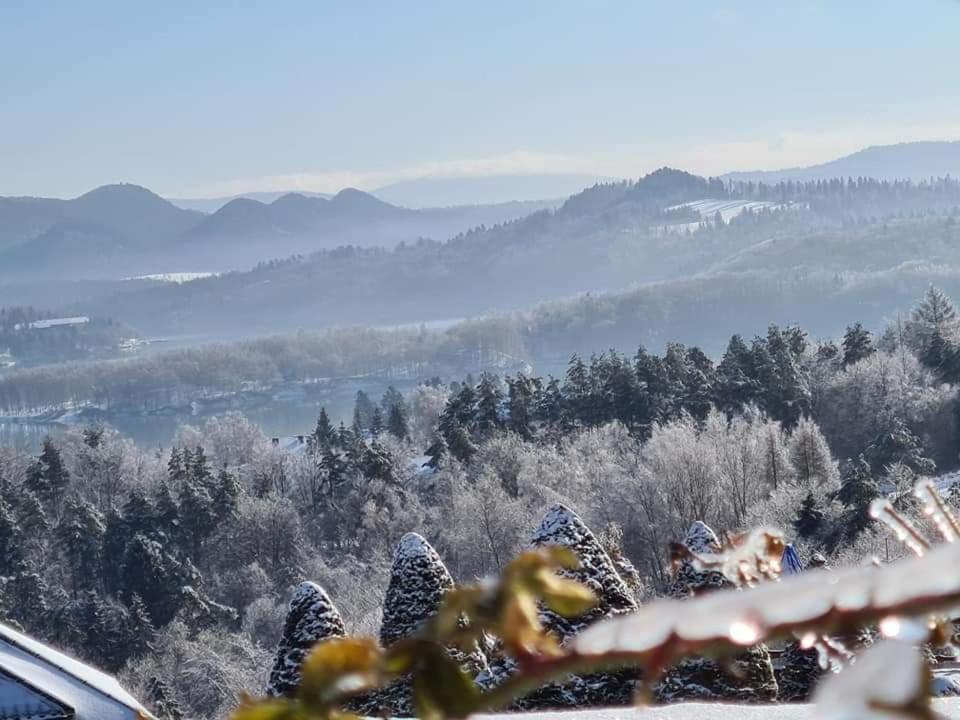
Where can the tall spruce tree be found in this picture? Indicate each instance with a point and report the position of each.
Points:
(48, 477)
(397, 422)
(521, 391)
(141, 633)
(157, 577)
(577, 391)
(362, 411)
(857, 344)
(80, 536)
(324, 435)
(489, 399)
(810, 518)
(735, 387)
(196, 514)
(550, 407)
(857, 490)
(898, 445)
(226, 496)
(176, 467)
(934, 315)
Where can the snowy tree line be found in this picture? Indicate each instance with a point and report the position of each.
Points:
(175, 568)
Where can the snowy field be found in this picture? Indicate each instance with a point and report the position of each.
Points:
(728, 209)
(708, 209)
(177, 277)
(707, 711)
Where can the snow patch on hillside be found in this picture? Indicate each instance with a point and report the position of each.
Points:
(708, 209)
(175, 277)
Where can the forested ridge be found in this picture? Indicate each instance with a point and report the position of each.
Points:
(606, 238)
(174, 567)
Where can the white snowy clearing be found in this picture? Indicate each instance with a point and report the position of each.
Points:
(728, 209)
(52, 323)
(708, 209)
(175, 277)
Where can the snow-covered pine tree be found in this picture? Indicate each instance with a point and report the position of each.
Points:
(747, 677)
(562, 526)
(418, 582)
(311, 617)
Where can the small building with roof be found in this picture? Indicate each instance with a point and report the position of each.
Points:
(40, 683)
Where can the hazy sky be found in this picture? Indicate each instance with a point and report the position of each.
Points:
(319, 95)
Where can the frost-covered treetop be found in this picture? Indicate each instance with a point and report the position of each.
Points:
(413, 544)
(418, 581)
(700, 539)
(311, 617)
(562, 526)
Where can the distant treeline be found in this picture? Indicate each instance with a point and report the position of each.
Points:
(175, 378)
(703, 311)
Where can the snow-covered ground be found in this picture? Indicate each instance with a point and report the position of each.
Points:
(176, 277)
(709, 208)
(52, 323)
(728, 209)
(703, 711)
(945, 482)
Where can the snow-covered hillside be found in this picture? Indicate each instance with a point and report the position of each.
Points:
(709, 208)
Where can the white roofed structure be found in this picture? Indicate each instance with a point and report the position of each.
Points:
(40, 683)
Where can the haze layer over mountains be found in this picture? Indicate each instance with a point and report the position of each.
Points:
(666, 256)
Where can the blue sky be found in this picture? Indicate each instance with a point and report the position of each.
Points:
(233, 97)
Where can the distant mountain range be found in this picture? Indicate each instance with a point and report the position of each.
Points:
(606, 237)
(485, 190)
(211, 205)
(437, 192)
(120, 230)
(905, 161)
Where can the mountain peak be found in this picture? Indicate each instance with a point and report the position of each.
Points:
(916, 161)
(351, 199)
(120, 192)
